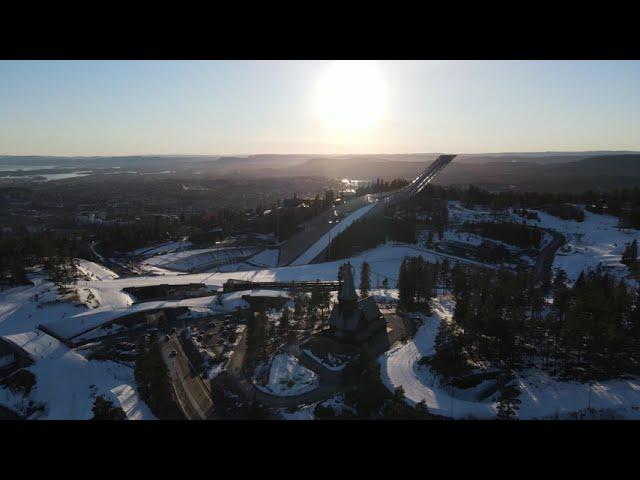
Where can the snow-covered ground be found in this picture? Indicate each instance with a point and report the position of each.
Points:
(71, 326)
(162, 248)
(307, 412)
(67, 383)
(188, 260)
(399, 367)
(459, 214)
(315, 249)
(94, 271)
(267, 258)
(596, 240)
(69, 321)
(542, 396)
(287, 377)
(24, 308)
(591, 242)
(304, 412)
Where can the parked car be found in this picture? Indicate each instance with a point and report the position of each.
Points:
(172, 353)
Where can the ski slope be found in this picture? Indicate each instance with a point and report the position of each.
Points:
(324, 241)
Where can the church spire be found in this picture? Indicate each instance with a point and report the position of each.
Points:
(348, 290)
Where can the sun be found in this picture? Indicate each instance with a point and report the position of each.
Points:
(351, 96)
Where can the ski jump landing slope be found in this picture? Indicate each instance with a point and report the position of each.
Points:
(309, 244)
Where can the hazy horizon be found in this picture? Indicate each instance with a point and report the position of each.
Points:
(354, 154)
(243, 108)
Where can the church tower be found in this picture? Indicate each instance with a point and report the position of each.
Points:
(347, 298)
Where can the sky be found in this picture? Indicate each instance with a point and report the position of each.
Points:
(77, 108)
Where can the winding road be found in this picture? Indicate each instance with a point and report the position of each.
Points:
(544, 262)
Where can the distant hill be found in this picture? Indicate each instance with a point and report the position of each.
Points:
(543, 171)
(627, 165)
(535, 157)
(598, 172)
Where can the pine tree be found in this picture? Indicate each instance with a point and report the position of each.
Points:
(403, 285)
(283, 326)
(104, 409)
(630, 254)
(507, 405)
(365, 280)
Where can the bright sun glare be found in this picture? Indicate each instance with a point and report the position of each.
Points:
(351, 96)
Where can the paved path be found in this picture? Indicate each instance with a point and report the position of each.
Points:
(192, 394)
(544, 262)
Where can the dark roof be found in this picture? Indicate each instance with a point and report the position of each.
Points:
(340, 322)
(369, 309)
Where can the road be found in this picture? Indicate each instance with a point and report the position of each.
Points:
(194, 397)
(544, 262)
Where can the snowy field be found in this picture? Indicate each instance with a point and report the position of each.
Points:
(188, 260)
(591, 242)
(67, 383)
(596, 240)
(542, 396)
(287, 377)
(93, 271)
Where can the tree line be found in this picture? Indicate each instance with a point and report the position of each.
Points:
(591, 326)
(583, 330)
(623, 203)
(419, 281)
(368, 233)
(380, 185)
(519, 235)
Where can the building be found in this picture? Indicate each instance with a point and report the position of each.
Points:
(354, 320)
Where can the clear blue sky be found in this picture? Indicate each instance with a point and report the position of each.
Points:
(244, 107)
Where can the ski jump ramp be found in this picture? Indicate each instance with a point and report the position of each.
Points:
(316, 228)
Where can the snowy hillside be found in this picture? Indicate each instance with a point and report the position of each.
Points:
(591, 242)
(542, 396)
(67, 383)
